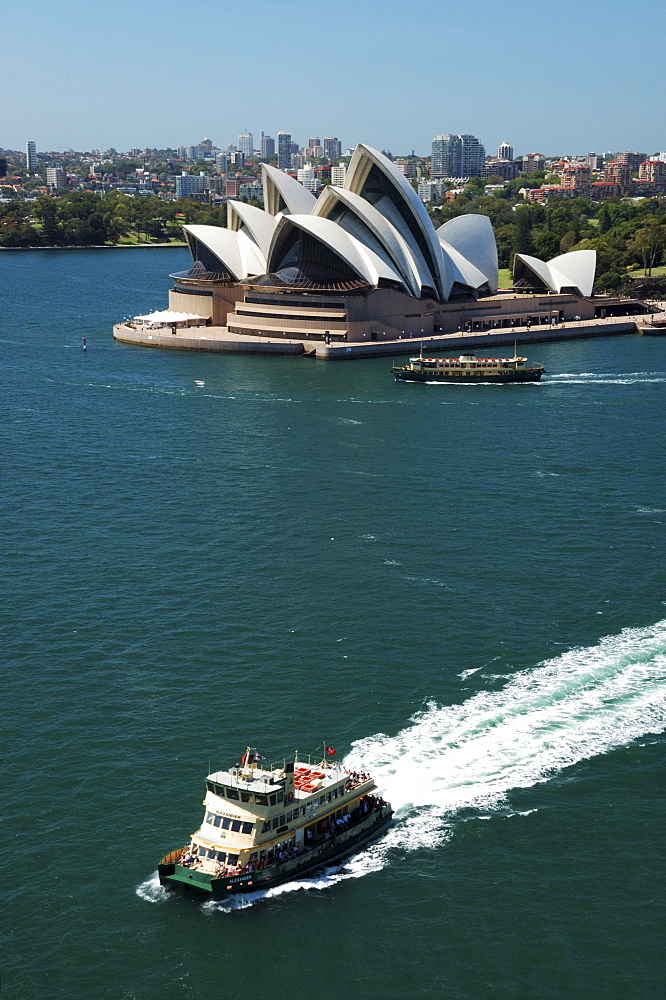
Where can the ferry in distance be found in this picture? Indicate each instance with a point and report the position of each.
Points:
(468, 368)
(268, 824)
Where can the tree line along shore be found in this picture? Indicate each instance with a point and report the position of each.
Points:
(629, 236)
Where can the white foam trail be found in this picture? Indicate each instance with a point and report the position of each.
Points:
(583, 703)
(580, 704)
(152, 891)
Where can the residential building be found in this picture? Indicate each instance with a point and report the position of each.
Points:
(30, 155)
(406, 167)
(533, 161)
(338, 175)
(578, 177)
(505, 151)
(446, 156)
(506, 169)
(653, 171)
(284, 150)
(189, 184)
(56, 177)
(619, 173)
(457, 156)
(633, 160)
(306, 177)
(332, 148)
(237, 158)
(3, 167)
(473, 156)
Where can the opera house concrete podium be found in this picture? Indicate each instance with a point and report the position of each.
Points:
(361, 266)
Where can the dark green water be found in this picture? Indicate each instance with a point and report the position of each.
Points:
(461, 586)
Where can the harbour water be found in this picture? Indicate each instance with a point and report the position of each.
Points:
(461, 588)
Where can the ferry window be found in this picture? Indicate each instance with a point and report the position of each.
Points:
(322, 800)
(210, 817)
(280, 796)
(261, 800)
(210, 785)
(276, 823)
(272, 800)
(266, 827)
(235, 826)
(232, 793)
(246, 796)
(225, 824)
(253, 858)
(221, 857)
(247, 828)
(328, 797)
(232, 859)
(217, 820)
(282, 820)
(288, 818)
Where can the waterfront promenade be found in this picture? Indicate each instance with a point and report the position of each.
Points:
(210, 338)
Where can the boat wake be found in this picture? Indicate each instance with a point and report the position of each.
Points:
(586, 702)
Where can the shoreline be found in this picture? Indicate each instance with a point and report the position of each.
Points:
(102, 246)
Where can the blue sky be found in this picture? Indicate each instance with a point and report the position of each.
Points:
(551, 76)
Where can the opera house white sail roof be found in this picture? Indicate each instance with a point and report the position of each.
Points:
(372, 232)
(573, 270)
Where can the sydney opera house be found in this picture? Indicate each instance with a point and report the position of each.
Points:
(362, 265)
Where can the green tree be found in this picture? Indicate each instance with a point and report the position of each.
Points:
(522, 242)
(648, 244)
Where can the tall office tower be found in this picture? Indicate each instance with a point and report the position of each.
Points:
(473, 156)
(237, 158)
(246, 143)
(30, 155)
(505, 151)
(267, 147)
(314, 142)
(284, 150)
(332, 148)
(446, 156)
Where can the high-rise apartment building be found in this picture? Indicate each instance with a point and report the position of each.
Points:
(188, 184)
(267, 146)
(446, 156)
(473, 156)
(30, 155)
(533, 161)
(246, 143)
(457, 156)
(505, 151)
(56, 177)
(284, 150)
(314, 143)
(332, 148)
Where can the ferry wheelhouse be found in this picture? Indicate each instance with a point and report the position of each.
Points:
(264, 825)
(468, 368)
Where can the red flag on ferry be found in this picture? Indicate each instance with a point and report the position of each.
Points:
(330, 750)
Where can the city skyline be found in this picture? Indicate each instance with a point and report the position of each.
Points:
(545, 79)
